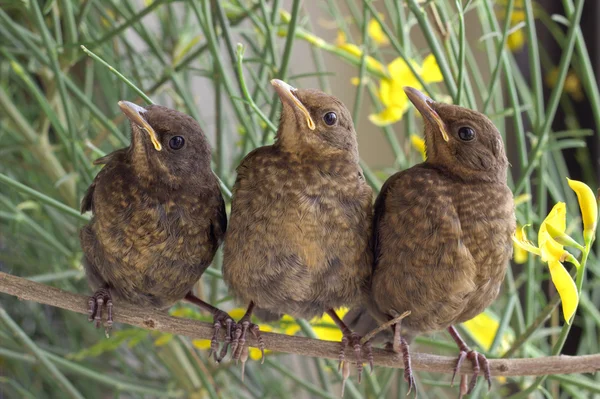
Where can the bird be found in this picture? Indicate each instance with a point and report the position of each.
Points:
(300, 223)
(158, 216)
(442, 232)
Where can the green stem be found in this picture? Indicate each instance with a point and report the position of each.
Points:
(58, 377)
(42, 197)
(461, 53)
(435, 47)
(118, 74)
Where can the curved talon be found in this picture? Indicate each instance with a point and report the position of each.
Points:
(255, 330)
(474, 357)
(461, 357)
(96, 303)
(91, 308)
(235, 342)
(228, 323)
(342, 354)
(357, 352)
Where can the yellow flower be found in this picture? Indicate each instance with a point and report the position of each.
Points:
(340, 40)
(391, 90)
(376, 33)
(354, 50)
(554, 253)
(483, 329)
(589, 208)
(516, 40)
(419, 144)
(572, 84)
(520, 255)
(326, 329)
(163, 339)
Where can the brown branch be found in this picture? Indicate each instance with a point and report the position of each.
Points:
(155, 320)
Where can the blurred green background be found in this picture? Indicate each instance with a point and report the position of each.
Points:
(531, 66)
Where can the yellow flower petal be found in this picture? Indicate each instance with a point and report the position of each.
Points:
(376, 33)
(558, 219)
(255, 353)
(516, 40)
(565, 286)
(431, 71)
(387, 116)
(521, 199)
(163, 339)
(483, 329)
(340, 40)
(201, 343)
(418, 144)
(520, 255)
(523, 243)
(332, 333)
(588, 206)
(356, 51)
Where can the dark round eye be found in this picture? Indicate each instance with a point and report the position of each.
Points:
(330, 118)
(176, 142)
(465, 133)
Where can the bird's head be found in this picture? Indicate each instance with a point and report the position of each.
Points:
(167, 146)
(462, 141)
(314, 122)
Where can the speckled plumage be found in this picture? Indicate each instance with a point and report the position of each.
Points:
(299, 231)
(443, 245)
(300, 223)
(158, 216)
(299, 235)
(442, 229)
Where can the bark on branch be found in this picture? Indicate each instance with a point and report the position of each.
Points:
(155, 320)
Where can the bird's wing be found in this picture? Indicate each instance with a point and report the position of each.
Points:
(421, 262)
(219, 225)
(110, 160)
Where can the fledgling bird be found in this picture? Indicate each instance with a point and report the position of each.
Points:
(301, 214)
(442, 230)
(158, 216)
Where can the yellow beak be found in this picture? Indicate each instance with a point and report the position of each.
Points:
(285, 92)
(134, 113)
(423, 104)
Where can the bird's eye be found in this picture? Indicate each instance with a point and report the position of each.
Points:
(176, 142)
(465, 133)
(330, 118)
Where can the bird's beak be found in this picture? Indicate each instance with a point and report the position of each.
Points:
(285, 92)
(423, 105)
(134, 113)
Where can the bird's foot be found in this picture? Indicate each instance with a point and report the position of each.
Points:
(239, 349)
(479, 361)
(354, 340)
(401, 346)
(221, 319)
(96, 302)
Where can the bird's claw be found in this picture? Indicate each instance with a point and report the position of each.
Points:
(96, 303)
(239, 349)
(402, 347)
(478, 361)
(353, 339)
(221, 319)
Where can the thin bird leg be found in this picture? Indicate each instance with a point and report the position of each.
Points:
(353, 339)
(96, 302)
(239, 338)
(400, 345)
(220, 319)
(478, 360)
